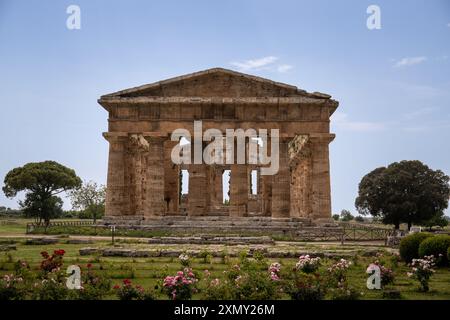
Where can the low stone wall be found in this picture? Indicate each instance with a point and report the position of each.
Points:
(212, 240)
(175, 253)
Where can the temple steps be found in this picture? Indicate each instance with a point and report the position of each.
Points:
(304, 227)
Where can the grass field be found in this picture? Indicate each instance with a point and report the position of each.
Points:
(149, 272)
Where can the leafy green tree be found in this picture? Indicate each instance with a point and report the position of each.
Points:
(404, 192)
(335, 217)
(359, 219)
(439, 220)
(346, 215)
(90, 199)
(41, 182)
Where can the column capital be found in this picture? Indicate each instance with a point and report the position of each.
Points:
(321, 137)
(115, 136)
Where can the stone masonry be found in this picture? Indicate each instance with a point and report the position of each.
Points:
(143, 185)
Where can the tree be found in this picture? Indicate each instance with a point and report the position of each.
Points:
(90, 198)
(41, 181)
(346, 215)
(404, 192)
(438, 220)
(335, 217)
(359, 219)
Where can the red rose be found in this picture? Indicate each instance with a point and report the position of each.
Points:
(60, 252)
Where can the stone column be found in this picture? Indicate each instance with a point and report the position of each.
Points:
(154, 186)
(281, 185)
(320, 176)
(198, 190)
(218, 186)
(266, 195)
(171, 180)
(116, 204)
(301, 186)
(300, 164)
(238, 190)
(135, 174)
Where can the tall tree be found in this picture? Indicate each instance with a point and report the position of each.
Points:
(346, 215)
(89, 198)
(404, 192)
(41, 181)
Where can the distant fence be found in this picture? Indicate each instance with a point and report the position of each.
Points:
(7, 222)
(361, 232)
(345, 232)
(78, 223)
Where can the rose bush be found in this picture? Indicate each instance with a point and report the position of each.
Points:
(181, 286)
(308, 264)
(422, 270)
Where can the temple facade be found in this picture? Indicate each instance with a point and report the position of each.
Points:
(144, 185)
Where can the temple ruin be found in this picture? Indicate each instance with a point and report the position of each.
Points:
(144, 187)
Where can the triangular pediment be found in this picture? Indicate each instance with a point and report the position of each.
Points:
(216, 82)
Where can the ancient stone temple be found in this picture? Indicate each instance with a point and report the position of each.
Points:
(144, 187)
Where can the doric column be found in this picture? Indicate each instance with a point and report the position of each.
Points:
(301, 166)
(218, 186)
(281, 184)
(320, 175)
(154, 185)
(171, 180)
(116, 188)
(266, 195)
(135, 172)
(198, 190)
(238, 190)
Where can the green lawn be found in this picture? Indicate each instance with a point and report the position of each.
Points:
(149, 272)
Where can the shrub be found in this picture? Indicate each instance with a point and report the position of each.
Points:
(50, 289)
(254, 285)
(216, 289)
(181, 286)
(259, 255)
(409, 246)
(253, 280)
(338, 271)
(274, 271)
(422, 270)
(306, 287)
(436, 246)
(206, 256)
(387, 275)
(52, 263)
(344, 292)
(128, 291)
(94, 286)
(184, 260)
(11, 288)
(307, 264)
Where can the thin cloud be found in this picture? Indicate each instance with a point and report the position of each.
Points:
(284, 68)
(254, 64)
(410, 61)
(418, 113)
(342, 121)
(264, 63)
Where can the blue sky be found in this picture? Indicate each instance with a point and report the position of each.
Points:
(393, 84)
